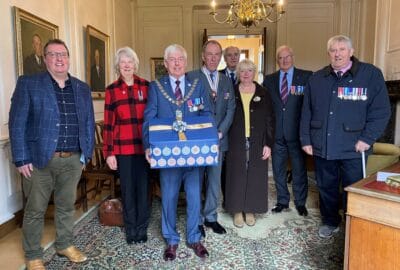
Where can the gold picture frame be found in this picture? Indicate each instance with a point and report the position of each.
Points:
(31, 34)
(157, 68)
(97, 55)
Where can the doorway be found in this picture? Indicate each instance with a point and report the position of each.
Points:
(251, 47)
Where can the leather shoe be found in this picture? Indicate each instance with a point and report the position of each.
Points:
(279, 208)
(302, 210)
(141, 239)
(73, 254)
(215, 226)
(170, 252)
(130, 240)
(35, 265)
(199, 250)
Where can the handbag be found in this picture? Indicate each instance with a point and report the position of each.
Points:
(110, 213)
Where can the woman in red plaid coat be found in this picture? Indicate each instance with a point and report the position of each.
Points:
(125, 102)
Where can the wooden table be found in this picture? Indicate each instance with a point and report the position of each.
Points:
(373, 224)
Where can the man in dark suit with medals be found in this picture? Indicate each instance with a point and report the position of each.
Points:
(286, 87)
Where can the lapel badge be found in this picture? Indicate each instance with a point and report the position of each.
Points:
(256, 99)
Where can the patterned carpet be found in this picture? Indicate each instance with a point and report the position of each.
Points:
(279, 241)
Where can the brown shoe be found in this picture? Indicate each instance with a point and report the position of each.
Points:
(73, 254)
(170, 252)
(35, 265)
(238, 220)
(250, 219)
(199, 250)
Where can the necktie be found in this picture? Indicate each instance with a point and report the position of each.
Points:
(178, 92)
(284, 89)
(212, 77)
(232, 75)
(339, 74)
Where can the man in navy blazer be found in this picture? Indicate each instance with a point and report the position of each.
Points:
(172, 93)
(51, 126)
(220, 91)
(231, 57)
(288, 82)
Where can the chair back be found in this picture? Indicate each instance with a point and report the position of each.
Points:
(98, 161)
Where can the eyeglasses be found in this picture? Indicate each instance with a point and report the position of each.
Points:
(57, 54)
(280, 58)
(173, 60)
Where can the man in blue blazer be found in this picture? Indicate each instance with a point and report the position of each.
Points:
(220, 91)
(286, 87)
(51, 126)
(166, 96)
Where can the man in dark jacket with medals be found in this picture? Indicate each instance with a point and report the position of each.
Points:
(345, 110)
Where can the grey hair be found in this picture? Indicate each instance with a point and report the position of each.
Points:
(283, 47)
(245, 64)
(211, 41)
(339, 38)
(230, 47)
(128, 52)
(174, 48)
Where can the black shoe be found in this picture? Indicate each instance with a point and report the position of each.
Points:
(279, 207)
(141, 239)
(215, 226)
(130, 240)
(302, 210)
(202, 231)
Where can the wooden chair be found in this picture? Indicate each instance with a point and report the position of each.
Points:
(97, 171)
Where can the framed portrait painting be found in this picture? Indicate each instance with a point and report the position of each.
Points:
(31, 34)
(157, 68)
(97, 54)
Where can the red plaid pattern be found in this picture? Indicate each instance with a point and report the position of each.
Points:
(123, 117)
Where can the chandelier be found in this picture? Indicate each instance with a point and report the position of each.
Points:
(250, 12)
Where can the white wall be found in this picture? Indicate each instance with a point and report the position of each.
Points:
(113, 17)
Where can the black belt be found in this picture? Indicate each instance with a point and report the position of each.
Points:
(63, 154)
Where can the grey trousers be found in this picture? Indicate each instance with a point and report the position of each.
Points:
(212, 191)
(61, 175)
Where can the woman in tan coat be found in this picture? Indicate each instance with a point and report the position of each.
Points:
(250, 142)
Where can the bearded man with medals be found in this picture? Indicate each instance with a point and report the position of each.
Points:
(173, 96)
(220, 91)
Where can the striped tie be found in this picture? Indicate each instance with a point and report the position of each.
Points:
(284, 89)
(178, 92)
